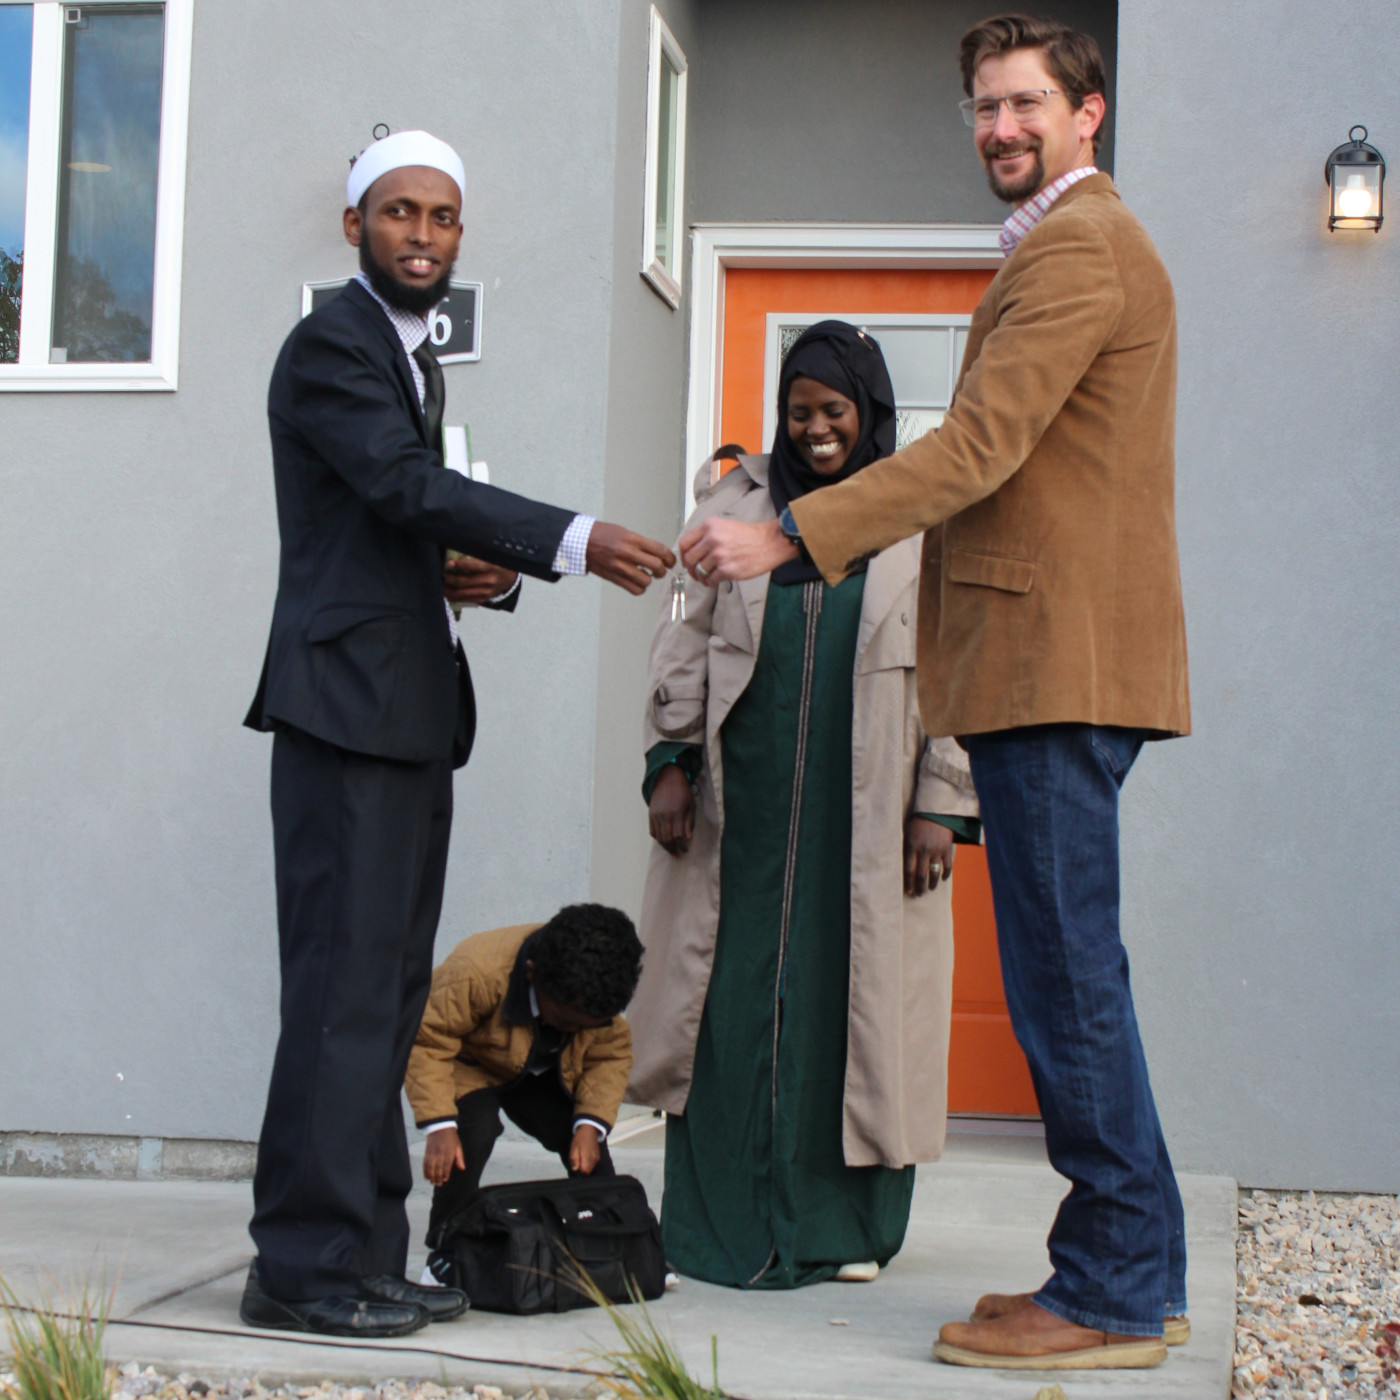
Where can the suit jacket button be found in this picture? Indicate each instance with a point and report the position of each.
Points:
(904, 618)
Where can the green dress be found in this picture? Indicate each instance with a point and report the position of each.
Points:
(757, 1192)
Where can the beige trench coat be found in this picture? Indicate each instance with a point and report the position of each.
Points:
(896, 1092)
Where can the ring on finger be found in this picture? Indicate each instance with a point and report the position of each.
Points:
(935, 871)
(701, 571)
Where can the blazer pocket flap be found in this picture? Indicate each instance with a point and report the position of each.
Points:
(1002, 571)
(337, 620)
(678, 712)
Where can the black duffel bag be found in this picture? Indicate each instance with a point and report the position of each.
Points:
(509, 1248)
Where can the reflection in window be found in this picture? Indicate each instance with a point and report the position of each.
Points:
(667, 112)
(16, 28)
(105, 270)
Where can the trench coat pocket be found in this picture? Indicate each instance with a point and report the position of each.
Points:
(678, 712)
(893, 646)
(731, 620)
(1002, 571)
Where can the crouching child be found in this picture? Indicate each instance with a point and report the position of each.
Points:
(527, 1021)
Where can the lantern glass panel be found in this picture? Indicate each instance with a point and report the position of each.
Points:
(1356, 194)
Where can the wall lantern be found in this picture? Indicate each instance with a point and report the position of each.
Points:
(1355, 173)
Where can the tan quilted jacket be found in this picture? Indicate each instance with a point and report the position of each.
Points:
(465, 1043)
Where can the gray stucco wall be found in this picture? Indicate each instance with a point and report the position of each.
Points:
(645, 432)
(138, 557)
(138, 539)
(832, 111)
(1259, 855)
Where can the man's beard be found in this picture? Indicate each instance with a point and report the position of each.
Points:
(1024, 188)
(418, 299)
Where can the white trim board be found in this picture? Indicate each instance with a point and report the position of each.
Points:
(662, 43)
(716, 247)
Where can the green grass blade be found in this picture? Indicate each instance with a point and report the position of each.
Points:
(56, 1353)
(644, 1365)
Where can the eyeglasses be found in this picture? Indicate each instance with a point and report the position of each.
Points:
(1023, 106)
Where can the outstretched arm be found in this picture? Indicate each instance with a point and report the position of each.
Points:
(331, 393)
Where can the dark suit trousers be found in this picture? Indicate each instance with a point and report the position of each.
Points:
(361, 854)
(537, 1103)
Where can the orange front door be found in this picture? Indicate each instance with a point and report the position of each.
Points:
(987, 1072)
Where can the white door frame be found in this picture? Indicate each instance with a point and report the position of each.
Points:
(716, 247)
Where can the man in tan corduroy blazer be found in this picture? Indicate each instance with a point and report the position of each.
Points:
(1051, 641)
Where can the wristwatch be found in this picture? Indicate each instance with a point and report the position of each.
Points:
(789, 526)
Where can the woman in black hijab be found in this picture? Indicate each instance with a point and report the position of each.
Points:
(796, 1030)
(831, 356)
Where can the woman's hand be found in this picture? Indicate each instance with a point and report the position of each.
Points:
(442, 1153)
(468, 580)
(672, 811)
(928, 855)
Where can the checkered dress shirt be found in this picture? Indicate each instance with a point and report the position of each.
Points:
(1024, 219)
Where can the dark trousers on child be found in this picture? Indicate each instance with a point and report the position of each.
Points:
(537, 1103)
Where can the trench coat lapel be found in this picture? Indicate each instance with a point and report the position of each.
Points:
(754, 591)
(887, 581)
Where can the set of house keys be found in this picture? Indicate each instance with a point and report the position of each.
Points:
(678, 596)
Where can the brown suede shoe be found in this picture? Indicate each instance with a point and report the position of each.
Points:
(1176, 1330)
(1031, 1339)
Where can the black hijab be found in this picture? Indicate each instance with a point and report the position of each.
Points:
(849, 361)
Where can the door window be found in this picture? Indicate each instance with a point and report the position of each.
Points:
(924, 353)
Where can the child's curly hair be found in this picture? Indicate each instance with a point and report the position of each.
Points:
(587, 957)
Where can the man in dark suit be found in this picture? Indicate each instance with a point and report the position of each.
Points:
(367, 692)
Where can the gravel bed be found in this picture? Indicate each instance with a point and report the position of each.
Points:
(134, 1382)
(1318, 1296)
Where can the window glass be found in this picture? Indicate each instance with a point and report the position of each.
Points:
(16, 30)
(110, 147)
(666, 162)
(917, 357)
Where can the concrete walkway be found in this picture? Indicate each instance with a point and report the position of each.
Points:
(177, 1253)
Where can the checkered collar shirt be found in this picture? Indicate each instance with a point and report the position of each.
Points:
(412, 331)
(1024, 219)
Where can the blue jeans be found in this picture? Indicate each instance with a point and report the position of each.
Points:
(1049, 796)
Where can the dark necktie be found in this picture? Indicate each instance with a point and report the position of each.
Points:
(433, 395)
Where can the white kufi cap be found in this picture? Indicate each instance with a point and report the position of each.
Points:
(396, 151)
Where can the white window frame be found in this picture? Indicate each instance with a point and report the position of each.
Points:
(33, 372)
(666, 281)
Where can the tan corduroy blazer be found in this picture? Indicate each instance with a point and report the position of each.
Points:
(1050, 590)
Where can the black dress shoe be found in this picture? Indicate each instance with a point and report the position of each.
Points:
(441, 1304)
(335, 1317)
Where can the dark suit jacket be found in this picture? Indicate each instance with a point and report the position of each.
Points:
(360, 652)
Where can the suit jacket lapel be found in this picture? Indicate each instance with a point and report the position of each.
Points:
(398, 356)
